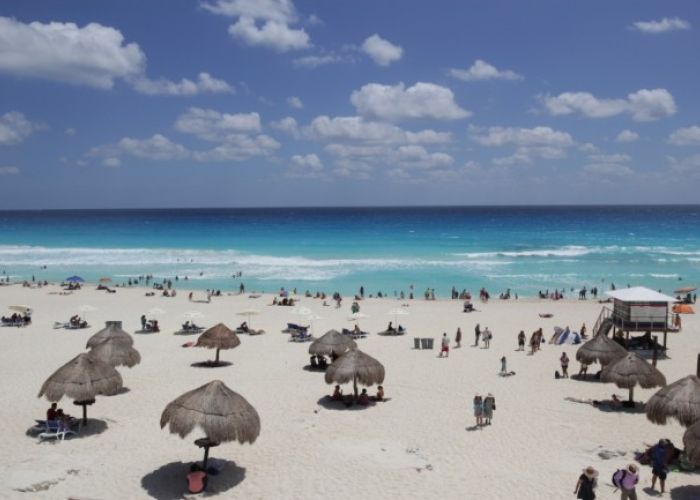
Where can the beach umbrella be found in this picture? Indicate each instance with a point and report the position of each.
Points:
(685, 289)
(683, 309)
(105, 280)
(111, 331)
(81, 379)
(248, 313)
(355, 366)
(679, 400)
(691, 442)
(218, 337)
(21, 309)
(600, 348)
(222, 414)
(116, 352)
(74, 279)
(332, 343)
(631, 370)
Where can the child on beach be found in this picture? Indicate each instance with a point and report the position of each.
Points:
(521, 341)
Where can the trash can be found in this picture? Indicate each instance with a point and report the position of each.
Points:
(430, 343)
(416, 343)
(424, 343)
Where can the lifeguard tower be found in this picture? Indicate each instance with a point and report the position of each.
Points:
(636, 309)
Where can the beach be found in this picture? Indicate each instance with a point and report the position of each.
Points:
(420, 444)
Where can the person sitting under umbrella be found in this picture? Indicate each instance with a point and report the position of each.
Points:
(337, 394)
(244, 327)
(363, 399)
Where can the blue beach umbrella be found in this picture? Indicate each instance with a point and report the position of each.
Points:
(75, 279)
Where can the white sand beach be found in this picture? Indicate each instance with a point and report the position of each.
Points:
(420, 444)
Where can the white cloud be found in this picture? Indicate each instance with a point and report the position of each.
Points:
(608, 169)
(295, 102)
(158, 147)
(643, 105)
(239, 147)
(93, 55)
(382, 52)
(288, 125)
(627, 136)
(9, 170)
(316, 61)
(355, 128)
(212, 125)
(70, 131)
(272, 34)
(112, 161)
(687, 165)
(353, 170)
(481, 70)
(418, 156)
(588, 147)
(396, 102)
(685, 136)
(611, 158)
(282, 11)
(305, 167)
(205, 84)
(15, 127)
(662, 26)
(537, 136)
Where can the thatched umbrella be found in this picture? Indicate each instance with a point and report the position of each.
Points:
(680, 400)
(218, 337)
(112, 330)
(222, 414)
(628, 371)
(81, 379)
(331, 343)
(691, 442)
(116, 352)
(355, 366)
(600, 348)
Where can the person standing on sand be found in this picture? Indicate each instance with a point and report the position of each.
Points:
(504, 369)
(586, 484)
(445, 345)
(487, 336)
(628, 485)
(478, 410)
(659, 464)
(477, 334)
(458, 337)
(564, 360)
(489, 405)
(521, 341)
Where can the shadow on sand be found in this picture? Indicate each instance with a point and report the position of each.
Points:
(680, 493)
(211, 364)
(94, 427)
(608, 406)
(331, 404)
(169, 482)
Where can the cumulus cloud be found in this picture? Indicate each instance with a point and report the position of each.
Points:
(662, 26)
(239, 147)
(295, 102)
(481, 70)
(112, 161)
(381, 51)
(15, 127)
(70, 131)
(212, 125)
(685, 136)
(627, 136)
(611, 158)
(271, 34)
(608, 169)
(355, 128)
(282, 11)
(305, 167)
(316, 61)
(643, 105)
(396, 102)
(93, 55)
(157, 147)
(536, 136)
(9, 170)
(288, 125)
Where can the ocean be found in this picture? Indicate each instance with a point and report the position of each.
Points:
(526, 249)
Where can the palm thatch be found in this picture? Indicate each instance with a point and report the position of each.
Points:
(81, 379)
(600, 349)
(691, 442)
(218, 337)
(116, 353)
(332, 343)
(631, 370)
(679, 400)
(112, 330)
(222, 414)
(355, 366)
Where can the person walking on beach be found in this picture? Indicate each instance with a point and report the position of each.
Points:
(489, 405)
(521, 341)
(586, 484)
(458, 337)
(659, 464)
(143, 322)
(504, 369)
(478, 410)
(628, 479)
(445, 345)
(486, 335)
(477, 334)
(564, 360)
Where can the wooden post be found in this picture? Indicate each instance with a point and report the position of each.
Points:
(697, 370)
(656, 354)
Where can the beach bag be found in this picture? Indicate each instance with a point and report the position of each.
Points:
(617, 477)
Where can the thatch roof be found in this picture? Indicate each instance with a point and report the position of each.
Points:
(679, 400)
(116, 353)
(222, 414)
(691, 441)
(600, 348)
(332, 342)
(631, 370)
(355, 364)
(218, 337)
(112, 330)
(81, 379)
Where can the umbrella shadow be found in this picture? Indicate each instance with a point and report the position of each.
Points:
(589, 377)
(169, 482)
(331, 404)
(681, 493)
(309, 368)
(94, 427)
(607, 406)
(211, 364)
(145, 332)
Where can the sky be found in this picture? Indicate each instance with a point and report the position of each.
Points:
(258, 103)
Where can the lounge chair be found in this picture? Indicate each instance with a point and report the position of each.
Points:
(354, 334)
(302, 337)
(294, 328)
(55, 429)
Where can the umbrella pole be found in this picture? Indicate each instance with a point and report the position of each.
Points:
(84, 413)
(632, 395)
(206, 458)
(217, 357)
(354, 384)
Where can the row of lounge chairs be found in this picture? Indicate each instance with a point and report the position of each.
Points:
(16, 320)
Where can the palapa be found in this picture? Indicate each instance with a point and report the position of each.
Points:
(81, 379)
(355, 366)
(218, 337)
(116, 352)
(331, 343)
(691, 442)
(631, 370)
(222, 414)
(112, 331)
(600, 349)
(679, 400)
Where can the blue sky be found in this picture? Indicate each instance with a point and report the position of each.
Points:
(187, 103)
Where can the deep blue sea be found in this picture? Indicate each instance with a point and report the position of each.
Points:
(385, 249)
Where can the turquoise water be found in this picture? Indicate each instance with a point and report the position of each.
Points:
(385, 249)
